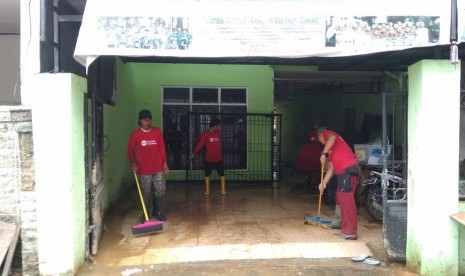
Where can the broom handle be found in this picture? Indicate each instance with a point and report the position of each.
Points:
(141, 198)
(321, 181)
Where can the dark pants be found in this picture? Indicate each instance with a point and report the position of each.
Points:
(210, 165)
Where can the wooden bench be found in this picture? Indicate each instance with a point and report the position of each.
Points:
(9, 234)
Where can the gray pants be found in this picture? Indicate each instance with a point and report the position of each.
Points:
(152, 185)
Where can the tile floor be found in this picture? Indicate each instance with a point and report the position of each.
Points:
(254, 221)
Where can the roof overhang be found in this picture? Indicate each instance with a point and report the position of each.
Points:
(248, 31)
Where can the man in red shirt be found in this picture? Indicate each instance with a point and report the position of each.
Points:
(342, 162)
(211, 139)
(147, 156)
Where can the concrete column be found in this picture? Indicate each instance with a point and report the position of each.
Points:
(433, 163)
(58, 126)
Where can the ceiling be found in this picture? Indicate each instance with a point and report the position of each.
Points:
(9, 16)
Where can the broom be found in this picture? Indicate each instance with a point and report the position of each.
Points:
(147, 226)
(318, 220)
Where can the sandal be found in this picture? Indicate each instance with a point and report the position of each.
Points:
(371, 261)
(345, 236)
(360, 258)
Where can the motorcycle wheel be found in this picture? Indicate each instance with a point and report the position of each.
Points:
(374, 203)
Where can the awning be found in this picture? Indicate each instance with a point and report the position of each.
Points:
(266, 28)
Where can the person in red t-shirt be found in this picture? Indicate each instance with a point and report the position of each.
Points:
(147, 156)
(211, 139)
(312, 133)
(343, 163)
(308, 161)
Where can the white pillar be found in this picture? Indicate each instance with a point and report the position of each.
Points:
(58, 135)
(433, 162)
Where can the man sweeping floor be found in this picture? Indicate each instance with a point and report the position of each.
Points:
(147, 155)
(342, 162)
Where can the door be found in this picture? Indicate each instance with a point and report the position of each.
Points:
(250, 143)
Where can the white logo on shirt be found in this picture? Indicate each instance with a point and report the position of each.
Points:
(213, 139)
(148, 143)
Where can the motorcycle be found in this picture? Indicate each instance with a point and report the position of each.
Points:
(373, 192)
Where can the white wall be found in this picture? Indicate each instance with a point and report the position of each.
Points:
(9, 69)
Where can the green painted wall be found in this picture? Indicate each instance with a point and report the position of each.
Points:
(119, 121)
(149, 79)
(78, 172)
(462, 243)
(139, 86)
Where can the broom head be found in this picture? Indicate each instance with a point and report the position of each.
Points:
(147, 227)
(317, 221)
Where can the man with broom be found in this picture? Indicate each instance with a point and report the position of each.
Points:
(147, 155)
(342, 162)
(211, 139)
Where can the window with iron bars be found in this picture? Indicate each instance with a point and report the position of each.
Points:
(180, 130)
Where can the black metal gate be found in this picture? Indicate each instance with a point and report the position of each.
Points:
(93, 136)
(250, 141)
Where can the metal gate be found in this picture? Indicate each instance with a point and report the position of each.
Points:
(93, 131)
(251, 146)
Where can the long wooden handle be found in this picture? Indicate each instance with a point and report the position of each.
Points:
(141, 198)
(321, 181)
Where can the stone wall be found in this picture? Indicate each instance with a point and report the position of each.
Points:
(17, 188)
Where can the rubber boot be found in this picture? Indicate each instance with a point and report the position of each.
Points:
(207, 185)
(336, 223)
(158, 206)
(223, 185)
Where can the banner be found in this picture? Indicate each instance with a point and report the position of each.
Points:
(261, 28)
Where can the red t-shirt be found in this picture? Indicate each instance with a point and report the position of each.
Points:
(341, 155)
(312, 136)
(212, 142)
(147, 149)
(309, 157)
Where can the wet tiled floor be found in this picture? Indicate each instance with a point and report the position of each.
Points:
(253, 222)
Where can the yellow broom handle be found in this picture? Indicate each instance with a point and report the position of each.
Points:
(141, 198)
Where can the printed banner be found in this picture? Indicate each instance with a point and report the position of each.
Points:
(256, 28)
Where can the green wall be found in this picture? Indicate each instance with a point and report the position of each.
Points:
(461, 242)
(119, 121)
(139, 86)
(77, 171)
(149, 79)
